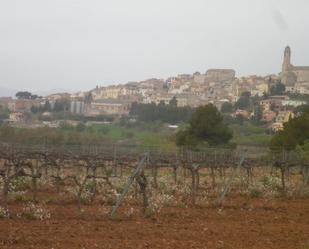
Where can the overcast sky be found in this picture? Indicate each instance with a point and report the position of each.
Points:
(78, 44)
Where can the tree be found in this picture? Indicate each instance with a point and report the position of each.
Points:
(244, 101)
(88, 98)
(35, 96)
(161, 112)
(173, 102)
(61, 105)
(206, 125)
(301, 109)
(227, 107)
(184, 137)
(240, 119)
(23, 95)
(34, 109)
(4, 113)
(295, 132)
(26, 95)
(277, 89)
(257, 114)
(47, 107)
(246, 94)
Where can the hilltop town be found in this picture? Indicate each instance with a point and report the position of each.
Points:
(272, 99)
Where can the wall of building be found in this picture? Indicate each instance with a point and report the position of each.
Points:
(221, 74)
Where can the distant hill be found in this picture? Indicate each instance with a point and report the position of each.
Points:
(7, 92)
(52, 91)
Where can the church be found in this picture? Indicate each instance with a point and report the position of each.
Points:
(295, 78)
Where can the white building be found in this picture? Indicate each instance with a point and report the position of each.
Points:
(293, 103)
(77, 107)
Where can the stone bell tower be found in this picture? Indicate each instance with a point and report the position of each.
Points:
(286, 66)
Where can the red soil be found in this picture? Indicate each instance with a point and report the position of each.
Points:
(242, 223)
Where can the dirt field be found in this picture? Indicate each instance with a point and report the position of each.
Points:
(241, 223)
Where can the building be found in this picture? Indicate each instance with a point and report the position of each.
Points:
(300, 88)
(77, 107)
(199, 78)
(282, 117)
(23, 105)
(219, 75)
(110, 92)
(268, 116)
(276, 126)
(108, 107)
(293, 103)
(260, 89)
(243, 113)
(17, 117)
(291, 75)
(273, 103)
(4, 101)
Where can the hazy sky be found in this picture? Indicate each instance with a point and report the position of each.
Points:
(78, 44)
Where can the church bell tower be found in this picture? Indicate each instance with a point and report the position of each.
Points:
(286, 59)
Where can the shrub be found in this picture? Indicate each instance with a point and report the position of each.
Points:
(110, 196)
(85, 196)
(35, 212)
(19, 196)
(158, 201)
(129, 212)
(271, 183)
(19, 184)
(4, 213)
(90, 186)
(255, 193)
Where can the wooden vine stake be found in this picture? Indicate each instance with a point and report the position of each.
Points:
(227, 186)
(137, 172)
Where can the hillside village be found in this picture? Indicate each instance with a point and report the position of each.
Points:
(276, 97)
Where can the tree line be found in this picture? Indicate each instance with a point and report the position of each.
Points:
(59, 106)
(169, 113)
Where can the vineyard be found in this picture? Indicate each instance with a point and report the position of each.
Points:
(124, 184)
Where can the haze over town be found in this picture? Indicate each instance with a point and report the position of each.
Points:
(76, 45)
